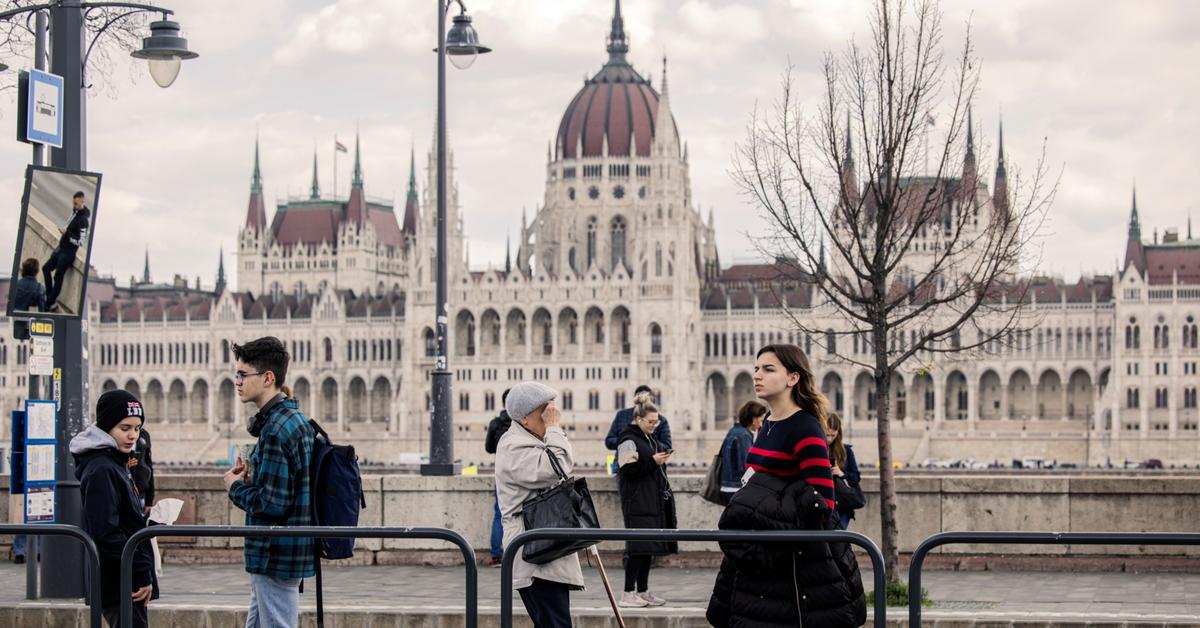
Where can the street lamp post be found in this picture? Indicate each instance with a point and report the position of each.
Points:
(462, 45)
(61, 557)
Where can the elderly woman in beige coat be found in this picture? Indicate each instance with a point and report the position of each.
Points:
(523, 470)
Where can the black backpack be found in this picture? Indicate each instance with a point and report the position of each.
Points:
(337, 498)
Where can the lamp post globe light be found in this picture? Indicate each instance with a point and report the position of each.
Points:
(164, 50)
(69, 49)
(461, 44)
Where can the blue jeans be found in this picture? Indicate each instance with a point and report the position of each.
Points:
(497, 529)
(845, 517)
(274, 602)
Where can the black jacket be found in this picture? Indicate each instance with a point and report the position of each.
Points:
(143, 473)
(495, 429)
(31, 294)
(760, 585)
(111, 513)
(646, 498)
(76, 232)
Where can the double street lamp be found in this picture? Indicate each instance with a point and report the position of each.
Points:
(461, 44)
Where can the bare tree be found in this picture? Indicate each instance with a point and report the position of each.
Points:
(920, 254)
(114, 32)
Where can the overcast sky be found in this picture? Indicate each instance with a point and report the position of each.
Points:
(1112, 88)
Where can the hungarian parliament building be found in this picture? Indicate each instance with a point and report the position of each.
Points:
(613, 282)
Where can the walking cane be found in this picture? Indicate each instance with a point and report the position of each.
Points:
(607, 587)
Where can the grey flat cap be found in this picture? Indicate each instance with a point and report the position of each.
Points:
(526, 397)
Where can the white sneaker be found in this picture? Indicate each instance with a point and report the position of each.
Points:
(629, 599)
(651, 599)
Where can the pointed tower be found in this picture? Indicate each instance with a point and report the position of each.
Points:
(356, 207)
(849, 177)
(219, 287)
(1000, 190)
(618, 42)
(146, 268)
(969, 175)
(508, 254)
(256, 212)
(409, 227)
(666, 138)
(314, 191)
(1135, 253)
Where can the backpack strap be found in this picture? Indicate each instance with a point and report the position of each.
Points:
(320, 596)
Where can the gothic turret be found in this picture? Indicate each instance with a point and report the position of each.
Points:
(356, 208)
(849, 178)
(256, 212)
(220, 284)
(1135, 253)
(970, 177)
(410, 203)
(1000, 190)
(314, 191)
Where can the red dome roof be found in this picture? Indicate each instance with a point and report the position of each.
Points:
(616, 103)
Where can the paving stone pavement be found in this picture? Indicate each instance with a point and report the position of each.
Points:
(1161, 597)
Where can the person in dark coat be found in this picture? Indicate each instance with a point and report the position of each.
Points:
(646, 499)
(111, 509)
(63, 257)
(736, 446)
(30, 295)
(814, 585)
(845, 469)
(495, 429)
(141, 467)
(624, 417)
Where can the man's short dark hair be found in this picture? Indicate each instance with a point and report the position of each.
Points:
(78, 194)
(265, 354)
(504, 397)
(641, 389)
(29, 267)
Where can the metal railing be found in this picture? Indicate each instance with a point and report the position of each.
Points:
(1027, 538)
(324, 532)
(89, 546)
(756, 536)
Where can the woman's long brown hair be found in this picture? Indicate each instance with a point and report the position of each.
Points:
(837, 447)
(805, 393)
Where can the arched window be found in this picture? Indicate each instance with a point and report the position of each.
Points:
(329, 350)
(617, 238)
(656, 339)
(430, 343)
(658, 260)
(591, 241)
(225, 352)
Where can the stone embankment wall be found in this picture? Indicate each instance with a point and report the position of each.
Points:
(927, 505)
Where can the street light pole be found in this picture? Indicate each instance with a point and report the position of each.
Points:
(464, 44)
(441, 440)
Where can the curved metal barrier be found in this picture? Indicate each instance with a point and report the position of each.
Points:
(325, 532)
(1027, 538)
(89, 546)
(757, 536)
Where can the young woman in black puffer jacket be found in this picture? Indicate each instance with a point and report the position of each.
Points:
(768, 585)
(646, 499)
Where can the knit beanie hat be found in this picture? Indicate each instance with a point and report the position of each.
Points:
(526, 397)
(115, 406)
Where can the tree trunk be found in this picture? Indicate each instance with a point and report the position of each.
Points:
(887, 475)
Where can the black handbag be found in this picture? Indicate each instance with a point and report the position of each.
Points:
(567, 505)
(848, 495)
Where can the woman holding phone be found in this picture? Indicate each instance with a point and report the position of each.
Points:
(646, 499)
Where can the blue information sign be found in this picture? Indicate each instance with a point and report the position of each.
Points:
(44, 124)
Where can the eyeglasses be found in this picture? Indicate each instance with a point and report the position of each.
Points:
(241, 376)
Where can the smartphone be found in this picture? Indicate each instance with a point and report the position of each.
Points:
(670, 451)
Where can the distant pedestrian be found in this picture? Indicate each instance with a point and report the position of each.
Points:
(846, 477)
(273, 486)
(62, 258)
(111, 509)
(814, 585)
(495, 429)
(646, 499)
(736, 446)
(523, 469)
(30, 294)
(624, 417)
(141, 467)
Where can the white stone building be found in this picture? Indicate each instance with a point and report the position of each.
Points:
(615, 282)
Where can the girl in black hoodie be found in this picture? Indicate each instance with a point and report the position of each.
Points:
(111, 507)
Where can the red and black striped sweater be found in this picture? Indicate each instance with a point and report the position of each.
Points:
(791, 447)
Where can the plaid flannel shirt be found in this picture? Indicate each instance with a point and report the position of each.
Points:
(278, 493)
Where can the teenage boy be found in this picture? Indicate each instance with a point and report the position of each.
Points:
(275, 492)
(63, 258)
